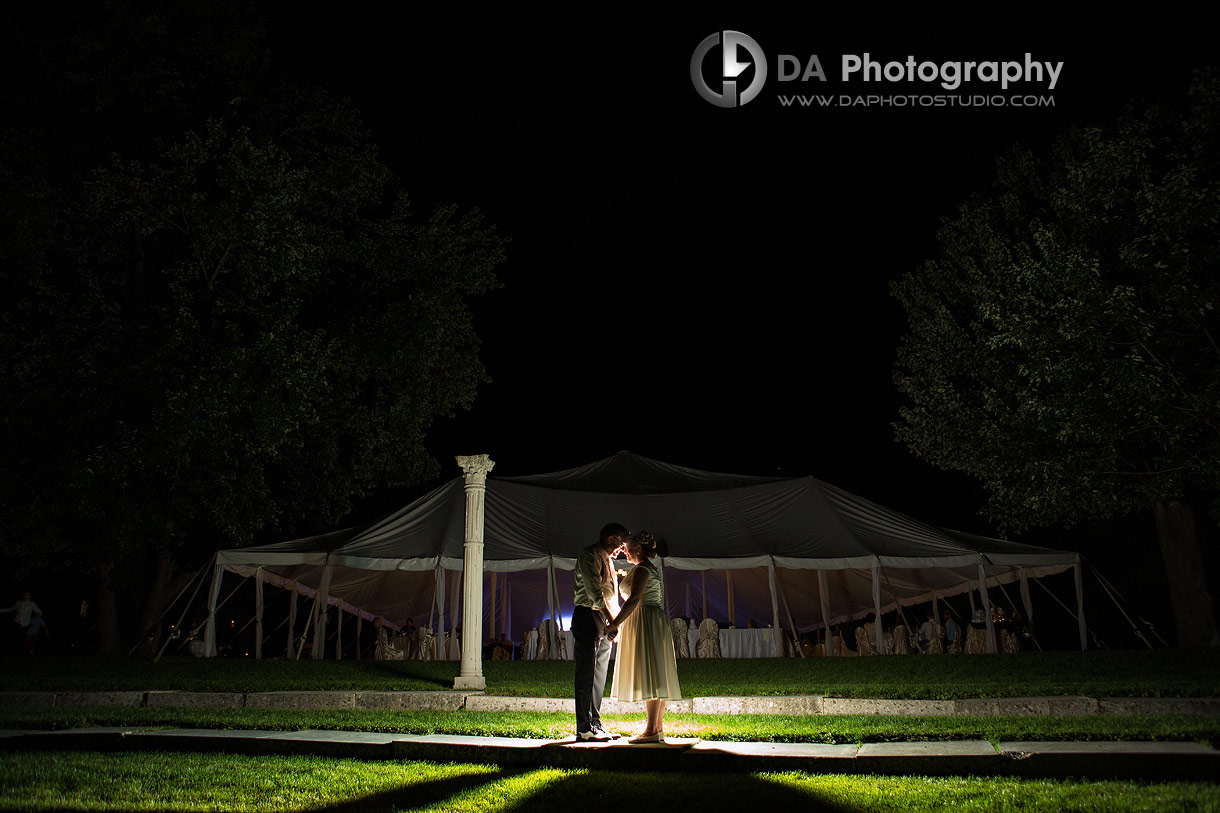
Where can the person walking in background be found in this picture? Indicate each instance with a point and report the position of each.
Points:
(36, 626)
(646, 667)
(23, 610)
(953, 634)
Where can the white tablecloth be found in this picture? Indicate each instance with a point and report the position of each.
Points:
(740, 643)
(531, 646)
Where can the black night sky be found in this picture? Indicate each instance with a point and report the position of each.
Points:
(705, 286)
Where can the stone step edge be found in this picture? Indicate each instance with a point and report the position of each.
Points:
(812, 704)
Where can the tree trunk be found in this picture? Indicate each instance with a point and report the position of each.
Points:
(154, 605)
(107, 613)
(1192, 605)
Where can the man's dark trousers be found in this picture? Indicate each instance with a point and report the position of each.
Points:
(591, 651)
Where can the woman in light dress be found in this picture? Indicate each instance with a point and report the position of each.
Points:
(645, 667)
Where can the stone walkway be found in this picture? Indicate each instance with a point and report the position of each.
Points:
(1150, 761)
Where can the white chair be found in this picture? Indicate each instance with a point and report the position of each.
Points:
(424, 646)
(551, 645)
(681, 637)
(976, 640)
(864, 640)
(709, 639)
(1009, 642)
(411, 644)
(385, 650)
(530, 650)
(902, 640)
(936, 644)
(544, 642)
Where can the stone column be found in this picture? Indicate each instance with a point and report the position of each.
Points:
(474, 472)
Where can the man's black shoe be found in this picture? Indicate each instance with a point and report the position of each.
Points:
(592, 736)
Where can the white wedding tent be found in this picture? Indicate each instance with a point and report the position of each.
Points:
(791, 552)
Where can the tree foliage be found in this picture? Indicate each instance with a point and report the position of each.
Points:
(219, 313)
(1063, 344)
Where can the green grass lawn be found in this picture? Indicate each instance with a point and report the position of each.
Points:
(181, 782)
(149, 781)
(731, 728)
(1163, 673)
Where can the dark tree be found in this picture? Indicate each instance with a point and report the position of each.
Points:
(1063, 345)
(219, 315)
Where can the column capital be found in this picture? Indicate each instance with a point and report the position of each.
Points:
(475, 468)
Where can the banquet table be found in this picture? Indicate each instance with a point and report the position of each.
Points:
(739, 643)
(530, 652)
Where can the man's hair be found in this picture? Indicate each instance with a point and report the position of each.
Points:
(613, 529)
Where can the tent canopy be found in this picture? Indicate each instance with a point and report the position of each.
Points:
(706, 521)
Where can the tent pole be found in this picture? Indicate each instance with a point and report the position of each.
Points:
(508, 609)
(292, 621)
(877, 628)
(432, 604)
(550, 606)
(198, 582)
(824, 600)
(474, 476)
(320, 608)
(438, 602)
(505, 607)
(793, 633)
(898, 606)
(558, 646)
(991, 647)
(1027, 600)
(209, 635)
(1067, 609)
(339, 630)
(258, 614)
(558, 603)
(777, 645)
(455, 613)
(178, 626)
(703, 573)
(728, 589)
(308, 621)
(935, 613)
(1114, 595)
(491, 615)
(1084, 633)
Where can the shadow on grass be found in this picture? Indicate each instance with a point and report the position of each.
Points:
(404, 670)
(561, 791)
(616, 791)
(415, 796)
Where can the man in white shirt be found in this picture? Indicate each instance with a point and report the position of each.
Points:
(23, 610)
(596, 603)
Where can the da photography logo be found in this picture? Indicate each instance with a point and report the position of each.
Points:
(731, 43)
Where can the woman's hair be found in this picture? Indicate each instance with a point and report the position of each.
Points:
(647, 543)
